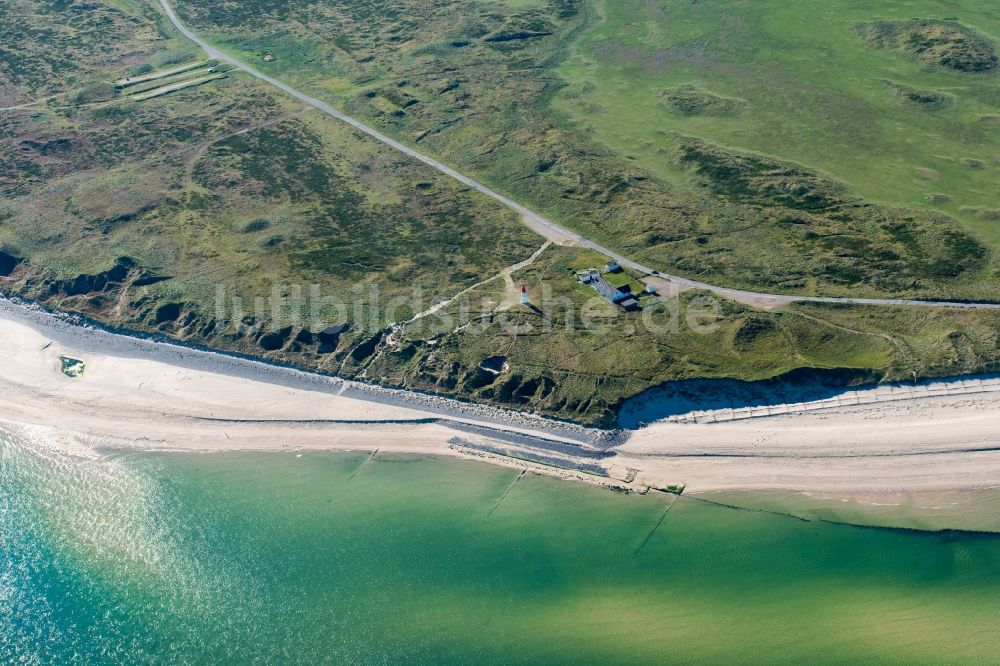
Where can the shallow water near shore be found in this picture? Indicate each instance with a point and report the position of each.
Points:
(332, 557)
(941, 510)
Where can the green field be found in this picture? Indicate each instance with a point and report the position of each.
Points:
(812, 89)
(814, 92)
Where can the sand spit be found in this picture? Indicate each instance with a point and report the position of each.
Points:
(140, 394)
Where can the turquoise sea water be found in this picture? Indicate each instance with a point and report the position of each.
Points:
(285, 557)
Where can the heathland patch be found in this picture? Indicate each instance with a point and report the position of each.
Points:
(840, 237)
(475, 83)
(689, 100)
(940, 43)
(571, 356)
(914, 98)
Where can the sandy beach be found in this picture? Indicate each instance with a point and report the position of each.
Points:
(124, 400)
(121, 401)
(940, 443)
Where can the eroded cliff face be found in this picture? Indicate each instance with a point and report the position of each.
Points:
(117, 298)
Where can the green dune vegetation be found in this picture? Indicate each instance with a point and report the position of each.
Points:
(812, 148)
(688, 100)
(584, 370)
(937, 43)
(926, 100)
(582, 108)
(836, 86)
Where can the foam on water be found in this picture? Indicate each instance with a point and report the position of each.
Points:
(95, 507)
(77, 528)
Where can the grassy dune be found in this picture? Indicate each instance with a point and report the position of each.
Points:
(814, 89)
(564, 366)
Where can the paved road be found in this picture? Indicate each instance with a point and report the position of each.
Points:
(552, 230)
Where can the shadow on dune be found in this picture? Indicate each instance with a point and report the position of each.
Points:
(801, 385)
